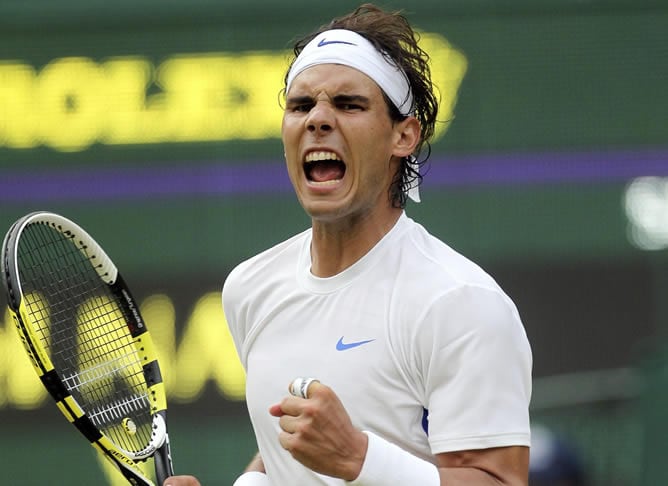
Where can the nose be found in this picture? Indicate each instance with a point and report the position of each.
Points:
(321, 118)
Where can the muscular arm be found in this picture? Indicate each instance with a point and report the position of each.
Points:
(496, 466)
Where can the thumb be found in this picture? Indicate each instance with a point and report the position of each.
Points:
(276, 410)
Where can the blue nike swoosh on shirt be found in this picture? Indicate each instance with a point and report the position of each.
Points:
(324, 42)
(341, 346)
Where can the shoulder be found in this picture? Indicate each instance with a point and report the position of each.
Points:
(261, 279)
(436, 267)
(261, 271)
(256, 268)
(446, 296)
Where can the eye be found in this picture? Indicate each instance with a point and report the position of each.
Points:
(300, 104)
(349, 107)
(301, 107)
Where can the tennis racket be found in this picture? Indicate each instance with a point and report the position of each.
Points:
(84, 335)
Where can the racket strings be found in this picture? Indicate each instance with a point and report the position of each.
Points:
(84, 330)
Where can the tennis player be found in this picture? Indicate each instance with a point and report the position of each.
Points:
(375, 354)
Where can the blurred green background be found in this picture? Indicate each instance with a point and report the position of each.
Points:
(155, 125)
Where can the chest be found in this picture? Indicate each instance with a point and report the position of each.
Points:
(345, 340)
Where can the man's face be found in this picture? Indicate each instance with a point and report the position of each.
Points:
(339, 143)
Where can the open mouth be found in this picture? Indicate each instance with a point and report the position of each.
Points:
(323, 167)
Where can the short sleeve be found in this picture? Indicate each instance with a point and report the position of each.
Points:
(475, 366)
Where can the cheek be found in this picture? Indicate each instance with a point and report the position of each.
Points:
(289, 136)
(376, 144)
(285, 128)
(291, 153)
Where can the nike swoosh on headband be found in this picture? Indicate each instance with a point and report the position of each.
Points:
(341, 346)
(325, 42)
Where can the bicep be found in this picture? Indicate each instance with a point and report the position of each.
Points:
(494, 466)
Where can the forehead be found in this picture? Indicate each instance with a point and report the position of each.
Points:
(334, 78)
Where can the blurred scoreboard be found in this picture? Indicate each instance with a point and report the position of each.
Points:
(100, 83)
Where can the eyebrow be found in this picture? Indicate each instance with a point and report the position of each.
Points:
(350, 98)
(342, 98)
(299, 100)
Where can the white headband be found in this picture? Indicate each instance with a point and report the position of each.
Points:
(340, 46)
(346, 47)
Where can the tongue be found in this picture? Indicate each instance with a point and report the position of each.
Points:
(327, 171)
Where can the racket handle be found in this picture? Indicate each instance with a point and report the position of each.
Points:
(163, 462)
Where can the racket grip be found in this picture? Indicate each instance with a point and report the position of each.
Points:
(163, 462)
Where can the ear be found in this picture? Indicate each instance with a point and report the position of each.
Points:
(407, 136)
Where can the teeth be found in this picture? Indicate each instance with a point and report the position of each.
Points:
(313, 156)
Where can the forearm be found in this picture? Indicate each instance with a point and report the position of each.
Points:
(256, 464)
(254, 474)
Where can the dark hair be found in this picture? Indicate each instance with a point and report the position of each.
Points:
(393, 36)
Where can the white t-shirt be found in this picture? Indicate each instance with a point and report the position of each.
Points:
(412, 330)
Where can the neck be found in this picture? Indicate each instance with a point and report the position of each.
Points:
(336, 246)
